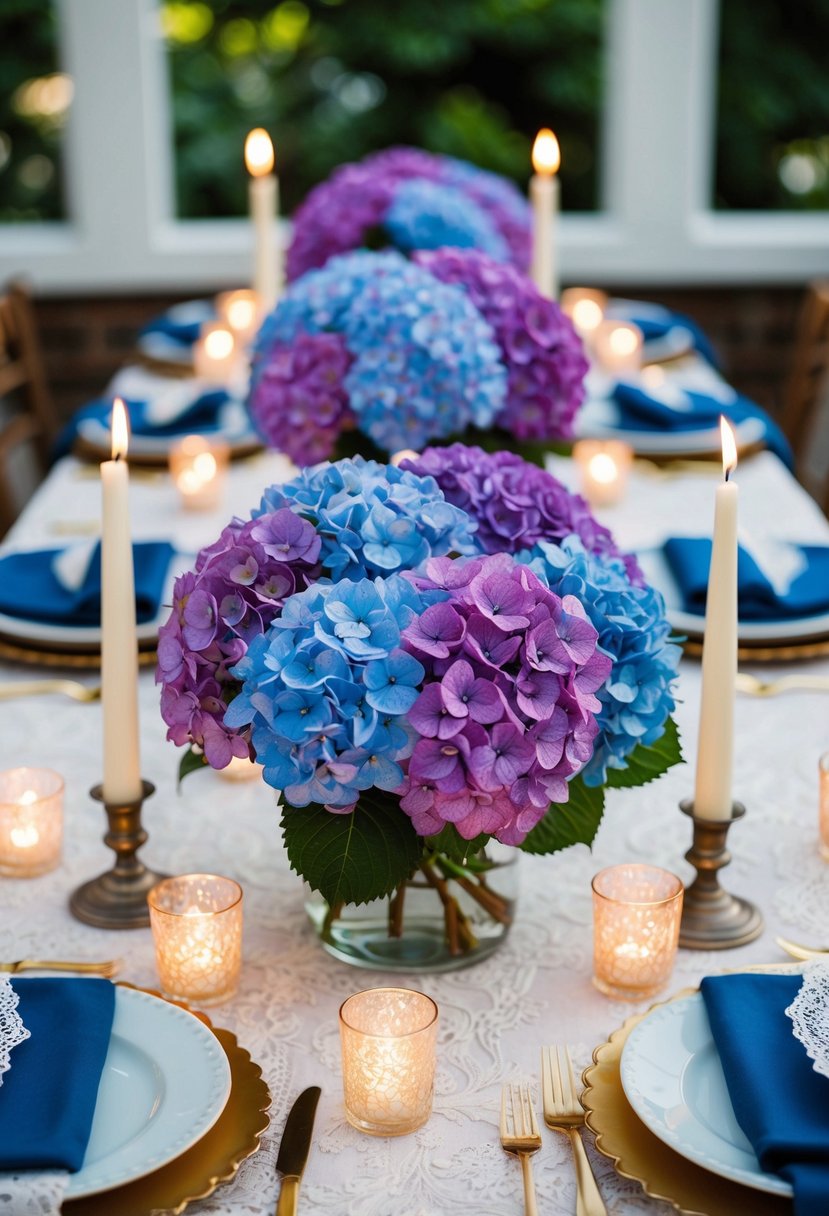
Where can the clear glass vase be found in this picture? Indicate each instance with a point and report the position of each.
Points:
(445, 917)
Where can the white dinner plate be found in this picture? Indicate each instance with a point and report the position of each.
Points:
(166, 1080)
(673, 1079)
(658, 573)
(233, 426)
(599, 419)
(88, 637)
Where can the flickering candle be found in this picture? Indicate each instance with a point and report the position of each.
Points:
(636, 915)
(715, 753)
(604, 465)
(387, 1036)
(544, 199)
(617, 347)
(585, 306)
(215, 356)
(198, 466)
(240, 311)
(196, 921)
(31, 821)
(263, 195)
(119, 640)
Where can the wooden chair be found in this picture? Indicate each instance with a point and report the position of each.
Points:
(28, 422)
(807, 392)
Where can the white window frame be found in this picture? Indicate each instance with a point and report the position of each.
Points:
(657, 226)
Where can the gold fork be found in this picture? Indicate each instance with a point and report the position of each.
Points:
(107, 969)
(33, 688)
(755, 687)
(564, 1113)
(802, 953)
(520, 1135)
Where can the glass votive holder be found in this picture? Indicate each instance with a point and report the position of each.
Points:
(241, 312)
(196, 920)
(215, 353)
(388, 1040)
(31, 821)
(585, 306)
(198, 466)
(636, 914)
(823, 804)
(240, 768)
(604, 465)
(617, 346)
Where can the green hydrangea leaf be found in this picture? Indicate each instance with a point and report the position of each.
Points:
(645, 764)
(566, 823)
(451, 844)
(353, 858)
(191, 761)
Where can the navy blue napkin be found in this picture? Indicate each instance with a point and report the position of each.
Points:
(30, 588)
(689, 558)
(780, 1102)
(640, 411)
(202, 415)
(183, 332)
(48, 1096)
(655, 324)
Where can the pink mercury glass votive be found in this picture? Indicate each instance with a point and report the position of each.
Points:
(636, 914)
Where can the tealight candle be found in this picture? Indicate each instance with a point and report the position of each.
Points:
(240, 768)
(31, 821)
(636, 914)
(388, 1040)
(196, 921)
(585, 306)
(823, 795)
(240, 311)
(617, 346)
(404, 454)
(198, 467)
(215, 356)
(604, 465)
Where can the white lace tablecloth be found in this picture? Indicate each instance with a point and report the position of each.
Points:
(494, 1017)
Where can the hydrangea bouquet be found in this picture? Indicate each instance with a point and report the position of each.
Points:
(409, 199)
(423, 659)
(396, 354)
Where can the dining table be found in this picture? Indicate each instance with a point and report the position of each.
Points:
(494, 1016)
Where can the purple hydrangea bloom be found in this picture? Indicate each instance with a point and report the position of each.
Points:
(515, 503)
(239, 584)
(507, 711)
(539, 345)
(468, 205)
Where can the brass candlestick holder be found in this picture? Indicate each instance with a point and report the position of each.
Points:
(711, 918)
(118, 898)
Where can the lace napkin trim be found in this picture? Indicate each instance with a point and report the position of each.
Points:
(809, 1013)
(12, 1030)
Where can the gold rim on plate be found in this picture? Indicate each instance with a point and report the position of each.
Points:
(83, 449)
(785, 652)
(17, 652)
(641, 1156)
(213, 1160)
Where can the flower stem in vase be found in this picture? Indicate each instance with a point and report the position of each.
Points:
(459, 935)
(396, 911)
(497, 907)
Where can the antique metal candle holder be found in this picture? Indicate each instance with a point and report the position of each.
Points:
(118, 898)
(711, 918)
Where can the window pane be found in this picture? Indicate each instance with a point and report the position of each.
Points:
(333, 80)
(773, 119)
(34, 102)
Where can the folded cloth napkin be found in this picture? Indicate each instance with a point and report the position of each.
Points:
(807, 594)
(33, 584)
(780, 1102)
(48, 1095)
(641, 410)
(182, 323)
(201, 414)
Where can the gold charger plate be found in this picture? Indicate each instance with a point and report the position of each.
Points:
(88, 660)
(640, 1155)
(770, 652)
(213, 1160)
(84, 450)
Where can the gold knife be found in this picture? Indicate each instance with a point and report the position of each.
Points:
(293, 1149)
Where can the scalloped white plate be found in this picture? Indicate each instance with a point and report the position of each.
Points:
(673, 1079)
(166, 1080)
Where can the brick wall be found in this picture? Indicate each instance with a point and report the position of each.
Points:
(85, 340)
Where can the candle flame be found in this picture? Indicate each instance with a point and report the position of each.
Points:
(258, 152)
(120, 430)
(729, 449)
(603, 468)
(218, 343)
(546, 153)
(623, 340)
(587, 314)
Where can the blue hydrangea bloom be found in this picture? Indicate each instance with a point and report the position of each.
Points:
(637, 697)
(429, 215)
(424, 362)
(326, 689)
(373, 519)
